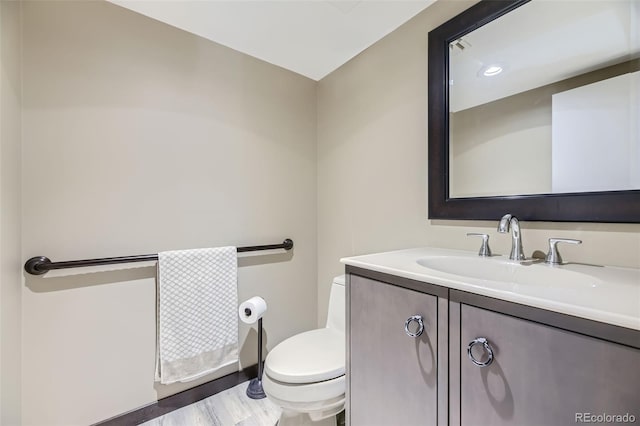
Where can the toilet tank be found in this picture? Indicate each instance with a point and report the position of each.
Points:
(337, 311)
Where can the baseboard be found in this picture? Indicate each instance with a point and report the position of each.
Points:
(182, 399)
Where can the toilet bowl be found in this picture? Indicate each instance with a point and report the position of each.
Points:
(304, 374)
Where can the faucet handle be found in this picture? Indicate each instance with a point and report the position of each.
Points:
(553, 257)
(485, 250)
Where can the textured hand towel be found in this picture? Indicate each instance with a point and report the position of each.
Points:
(197, 313)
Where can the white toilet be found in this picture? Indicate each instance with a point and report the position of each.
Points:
(305, 373)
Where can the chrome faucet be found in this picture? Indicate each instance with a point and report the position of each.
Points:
(509, 221)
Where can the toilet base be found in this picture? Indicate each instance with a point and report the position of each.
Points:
(292, 418)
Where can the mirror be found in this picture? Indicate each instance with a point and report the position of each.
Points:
(533, 110)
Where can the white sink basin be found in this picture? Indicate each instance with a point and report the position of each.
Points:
(535, 279)
(535, 273)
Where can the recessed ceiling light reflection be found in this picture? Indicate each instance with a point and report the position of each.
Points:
(492, 70)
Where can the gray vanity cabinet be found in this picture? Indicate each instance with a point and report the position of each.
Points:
(540, 375)
(543, 368)
(392, 377)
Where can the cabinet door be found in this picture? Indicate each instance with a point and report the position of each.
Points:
(542, 375)
(392, 376)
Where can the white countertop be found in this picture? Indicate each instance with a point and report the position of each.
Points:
(600, 293)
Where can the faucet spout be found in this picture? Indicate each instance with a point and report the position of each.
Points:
(507, 222)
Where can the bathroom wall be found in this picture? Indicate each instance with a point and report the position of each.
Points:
(139, 138)
(10, 271)
(372, 166)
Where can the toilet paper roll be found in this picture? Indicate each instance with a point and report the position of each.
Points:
(251, 310)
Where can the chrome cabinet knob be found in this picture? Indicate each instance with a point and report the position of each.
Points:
(485, 344)
(417, 319)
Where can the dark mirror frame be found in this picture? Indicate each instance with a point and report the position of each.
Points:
(606, 206)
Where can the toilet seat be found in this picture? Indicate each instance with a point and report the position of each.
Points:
(307, 358)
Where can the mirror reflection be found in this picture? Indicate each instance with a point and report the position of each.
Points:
(545, 99)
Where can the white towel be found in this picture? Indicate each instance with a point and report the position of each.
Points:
(197, 313)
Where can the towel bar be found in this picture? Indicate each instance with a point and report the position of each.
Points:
(40, 265)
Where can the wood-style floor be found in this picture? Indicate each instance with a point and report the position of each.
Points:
(228, 408)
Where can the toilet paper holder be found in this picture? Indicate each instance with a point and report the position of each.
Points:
(255, 390)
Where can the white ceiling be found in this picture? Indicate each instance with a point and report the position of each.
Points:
(309, 37)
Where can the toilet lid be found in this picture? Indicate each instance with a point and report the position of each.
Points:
(309, 357)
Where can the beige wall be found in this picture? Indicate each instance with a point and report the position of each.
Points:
(139, 138)
(10, 242)
(372, 173)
